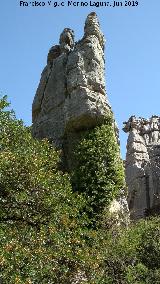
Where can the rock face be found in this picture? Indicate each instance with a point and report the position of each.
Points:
(71, 95)
(143, 165)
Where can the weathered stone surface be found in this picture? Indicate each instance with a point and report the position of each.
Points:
(53, 53)
(143, 165)
(71, 96)
(66, 40)
(118, 210)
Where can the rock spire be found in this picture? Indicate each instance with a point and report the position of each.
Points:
(71, 95)
(143, 165)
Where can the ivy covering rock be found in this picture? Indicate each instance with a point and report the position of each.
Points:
(99, 172)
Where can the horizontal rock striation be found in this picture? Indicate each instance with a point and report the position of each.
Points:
(143, 165)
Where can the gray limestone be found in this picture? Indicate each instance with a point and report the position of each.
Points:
(143, 165)
(71, 96)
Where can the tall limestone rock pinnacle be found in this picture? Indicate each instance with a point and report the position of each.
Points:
(143, 165)
(71, 94)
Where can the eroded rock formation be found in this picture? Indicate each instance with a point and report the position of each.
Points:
(71, 94)
(143, 165)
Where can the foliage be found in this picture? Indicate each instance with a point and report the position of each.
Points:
(133, 255)
(39, 214)
(45, 236)
(30, 182)
(99, 172)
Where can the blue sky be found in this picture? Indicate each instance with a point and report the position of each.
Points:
(132, 54)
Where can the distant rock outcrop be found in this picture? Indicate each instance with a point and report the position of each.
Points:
(143, 165)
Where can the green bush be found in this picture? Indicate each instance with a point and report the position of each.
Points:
(40, 224)
(30, 182)
(45, 236)
(132, 256)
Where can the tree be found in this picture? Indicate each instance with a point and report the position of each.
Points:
(40, 227)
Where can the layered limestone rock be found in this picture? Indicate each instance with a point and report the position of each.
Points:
(143, 165)
(71, 96)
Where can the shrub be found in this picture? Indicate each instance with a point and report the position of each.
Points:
(45, 236)
(132, 255)
(40, 224)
